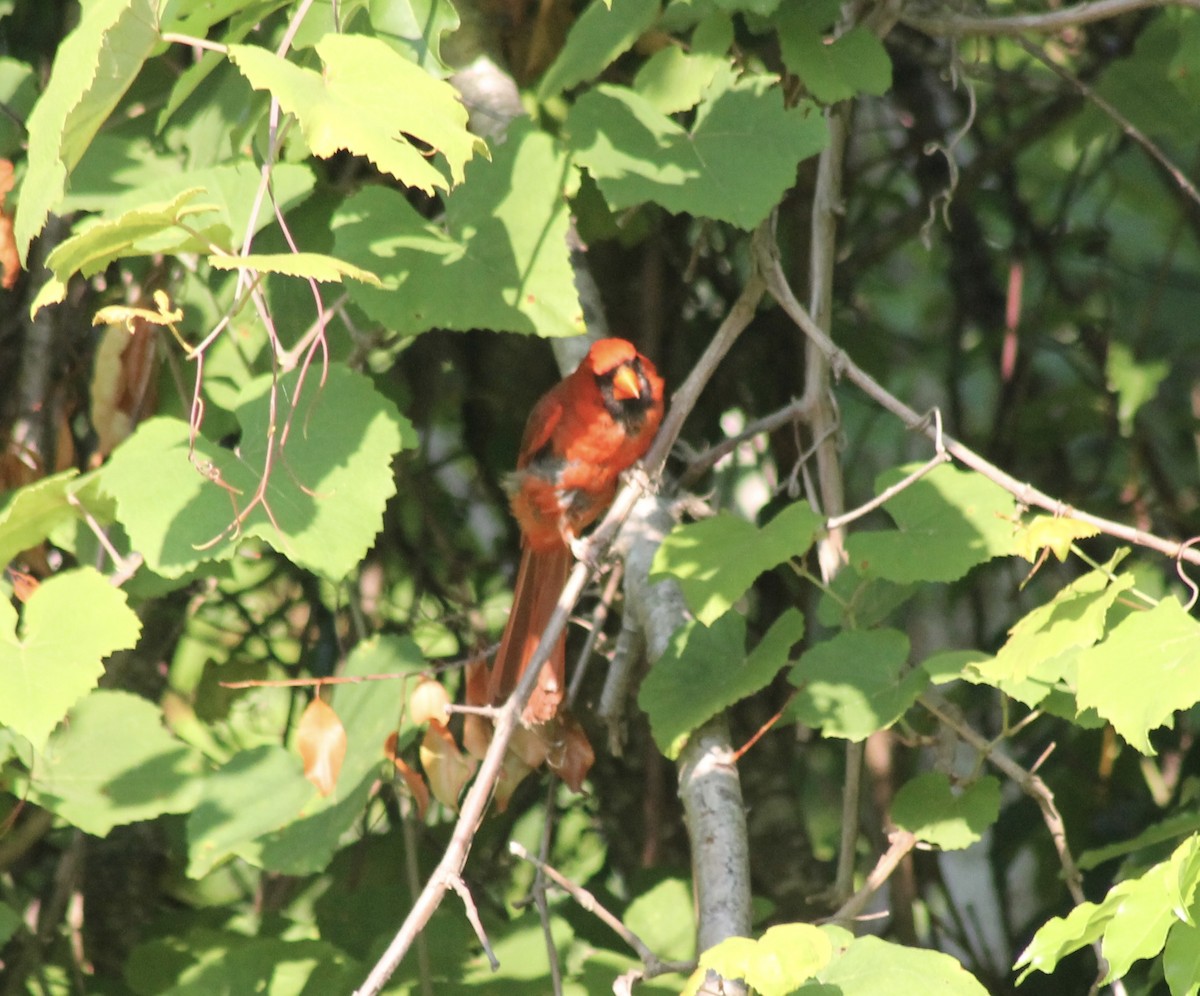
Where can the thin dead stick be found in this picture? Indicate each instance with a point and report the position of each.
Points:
(703, 462)
(1025, 493)
(959, 26)
(588, 902)
(900, 843)
(460, 887)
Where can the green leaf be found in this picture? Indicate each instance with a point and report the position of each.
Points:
(1181, 959)
(1074, 618)
(871, 966)
(1060, 936)
(637, 154)
(113, 763)
(716, 560)
(71, 623)
(662, 918)
(1134, 383)
(705, 669)
(1175, 825)
(854, 63)
(1145, 916)
(366, 101)
(311, 265)
(499, 260)
(949, 521)
(417, 28)
(674, 78)
(326, 488)
(95, 247)
(30, 514)
(929, 807)
(774, 965)
(10, 922)
(605, 30)
(93, 67)
(952, 665)
(230, 190)
(855, 683)
(1143, 672)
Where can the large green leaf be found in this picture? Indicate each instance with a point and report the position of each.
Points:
(1147, 669)
(114, 763)
(1074, 618)
(705, 669)
(603, 31)
(71, 623)
(367, 100)
(931, 808)
(856, 683)
(417, 28)
(949, 521)
(326, 487)
(29, 515)
(499, 260)
(871, 966)
(93, 68)
(675, 78)
(832, 70)
(775, 964)
(637, 154)
(716, 560)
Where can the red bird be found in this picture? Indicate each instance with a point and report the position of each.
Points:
(585, 430)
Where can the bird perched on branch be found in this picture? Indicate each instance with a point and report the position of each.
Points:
(595, 423)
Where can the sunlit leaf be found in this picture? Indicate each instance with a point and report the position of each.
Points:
(55, 656)
(1146, 670)
(498, 259)
(353, 106)
(1057, 532)
(603, 31)
(114, 763)
(93, 67)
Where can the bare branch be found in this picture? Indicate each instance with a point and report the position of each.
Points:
(959, 26)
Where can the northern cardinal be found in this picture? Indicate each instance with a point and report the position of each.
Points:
(585, 430)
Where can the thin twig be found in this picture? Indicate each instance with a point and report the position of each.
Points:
(588, 902)
(900, 843)
(1127, 126)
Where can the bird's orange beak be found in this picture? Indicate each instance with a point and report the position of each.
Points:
(625, 383)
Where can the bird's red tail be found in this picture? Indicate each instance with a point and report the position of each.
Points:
(540, 581)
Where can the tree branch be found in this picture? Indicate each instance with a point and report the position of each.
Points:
(959, 26)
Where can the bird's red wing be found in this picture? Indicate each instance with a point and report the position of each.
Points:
(540, 426)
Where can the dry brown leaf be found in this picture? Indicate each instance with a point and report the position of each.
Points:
(416, 785)
(124, 387)
(321, 740)
(446, 767)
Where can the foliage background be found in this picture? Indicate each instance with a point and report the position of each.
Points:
(1016, 246)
